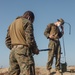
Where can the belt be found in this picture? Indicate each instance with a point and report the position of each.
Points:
(56, 40)
(17, 46)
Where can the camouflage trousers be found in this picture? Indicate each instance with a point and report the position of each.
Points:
(54, 52)
(21, 62)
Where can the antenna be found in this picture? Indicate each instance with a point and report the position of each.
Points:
(69, 27)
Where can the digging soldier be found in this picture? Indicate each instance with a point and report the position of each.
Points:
(20, 39)
(53, 33)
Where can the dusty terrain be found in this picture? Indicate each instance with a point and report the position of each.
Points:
(43, 71)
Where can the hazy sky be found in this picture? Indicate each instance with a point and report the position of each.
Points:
(46, 11)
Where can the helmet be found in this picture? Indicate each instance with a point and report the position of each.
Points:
(61, 20)
(29, 15)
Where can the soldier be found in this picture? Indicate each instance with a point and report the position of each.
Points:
(20, 39)
(53, 33)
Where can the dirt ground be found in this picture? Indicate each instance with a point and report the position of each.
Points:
(43, 71)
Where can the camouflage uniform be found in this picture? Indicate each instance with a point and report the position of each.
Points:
(54, 45)
(22, 45)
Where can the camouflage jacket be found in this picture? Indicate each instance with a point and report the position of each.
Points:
(21, 32)
(53, 30)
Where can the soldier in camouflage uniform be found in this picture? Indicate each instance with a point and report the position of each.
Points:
(53, 33)
(20, 39)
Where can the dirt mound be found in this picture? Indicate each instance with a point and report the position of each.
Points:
(40, 71)
(3, 71)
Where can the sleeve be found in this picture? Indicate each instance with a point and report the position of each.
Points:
(29, 34)
(47, 31)
(8, 40)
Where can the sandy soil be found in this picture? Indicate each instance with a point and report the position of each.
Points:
(43, 71)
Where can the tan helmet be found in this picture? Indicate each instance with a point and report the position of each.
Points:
(61, 20)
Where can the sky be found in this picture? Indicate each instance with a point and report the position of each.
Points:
(45, 11)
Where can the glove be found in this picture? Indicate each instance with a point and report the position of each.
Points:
(36, 51)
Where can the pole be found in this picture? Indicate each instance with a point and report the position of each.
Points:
(44, 50)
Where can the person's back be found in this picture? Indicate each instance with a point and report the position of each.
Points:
(17, 30)
(22, 45)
